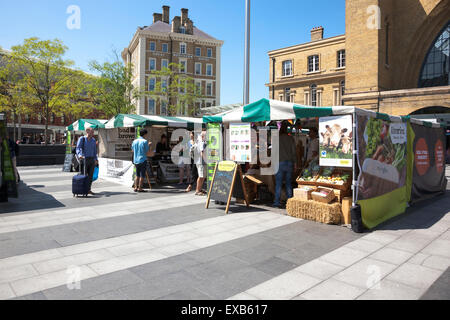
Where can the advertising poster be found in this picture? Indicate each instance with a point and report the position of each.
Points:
(214, 148)
(429, 162)
(382, 154)
(335, 141)
(240, 142)
(118, 171)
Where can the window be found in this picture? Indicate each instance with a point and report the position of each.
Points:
(163, 107)
(27, 118)
(152, 64)
(151, 84)
(208, 104)
(183, 65)
(152, 46)
(209, 53)
(341, 59)
(183, 30)
(151, 106)
(287, 94)
(164, 63)
(198, 87)
(183, 48)
(63, 119)
(209, 89)
(164, 85)
(435, 70)
(39, 118)
(287, 68)
(342, 91)
(52, 118)
(209, 69)
(314, 95)
(198, 52)
(198, 68)
(165, 47)
(313, 63)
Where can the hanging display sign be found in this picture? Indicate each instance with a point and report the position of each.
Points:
(118, 171)
(335, 141)
(240, 142)
(214, 149)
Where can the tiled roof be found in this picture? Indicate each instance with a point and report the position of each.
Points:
(162, 27)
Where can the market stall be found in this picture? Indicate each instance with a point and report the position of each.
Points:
(376, 161)
(115, 156)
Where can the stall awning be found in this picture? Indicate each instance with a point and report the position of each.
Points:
(83, 124)
(268, 110)
(133, 121)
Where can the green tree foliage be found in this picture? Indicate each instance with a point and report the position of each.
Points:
(176, 88)
(113, 90)
(46, 78)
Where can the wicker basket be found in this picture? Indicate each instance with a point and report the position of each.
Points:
(319, 197)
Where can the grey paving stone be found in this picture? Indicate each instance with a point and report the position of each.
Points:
(189, 294)
(94, 286)
(33, 296)
(260, 253)
(111, 295)
(214, 252)
(275, 266)
(440, 290)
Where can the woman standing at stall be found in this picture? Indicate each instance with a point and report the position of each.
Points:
(287, 163)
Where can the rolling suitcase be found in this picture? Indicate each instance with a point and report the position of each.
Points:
(80, 183)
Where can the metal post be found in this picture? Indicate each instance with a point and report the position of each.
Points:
(247, 54)
(355, 151)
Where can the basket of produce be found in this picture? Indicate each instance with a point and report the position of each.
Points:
(334, 178)
(324, 195)
(309, 174)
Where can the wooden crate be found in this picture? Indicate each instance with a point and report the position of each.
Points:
(317, 196)
(303, 194)
(346, 213)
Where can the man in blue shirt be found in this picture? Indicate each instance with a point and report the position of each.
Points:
(87, 153)
(140, 149)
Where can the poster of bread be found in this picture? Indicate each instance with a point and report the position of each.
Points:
(335, 141)
(382, 156)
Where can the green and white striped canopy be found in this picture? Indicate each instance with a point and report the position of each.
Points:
(133, 121)
(83, 124)
(268, 110)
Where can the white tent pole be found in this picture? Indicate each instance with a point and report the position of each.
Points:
(355, 151)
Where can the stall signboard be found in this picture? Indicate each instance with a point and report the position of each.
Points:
(214, 149)
(382, 155)
(118, 171)
(429, 162)
(227, 181)
(170, 172)
(240, 142)
(68, 160)
(335, 141)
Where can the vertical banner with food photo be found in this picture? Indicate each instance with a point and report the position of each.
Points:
(429, 162)
(336, 147)
(240, 142)
(382, 155)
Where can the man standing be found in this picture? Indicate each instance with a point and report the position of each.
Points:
(201, 164)
(288, 162)
(87, 153)
(140, 149)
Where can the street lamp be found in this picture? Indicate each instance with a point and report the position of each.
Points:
(247, 54)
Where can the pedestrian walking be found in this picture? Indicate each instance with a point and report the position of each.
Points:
(87, 153)
(14, 152)
(201, 164)
(140, 148)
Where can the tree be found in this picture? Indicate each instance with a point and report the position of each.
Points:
(13, 100)
(46, 77)
(173, 86)
(113, 91)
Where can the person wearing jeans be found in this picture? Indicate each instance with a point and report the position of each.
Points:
(87, 153)
(287, 164)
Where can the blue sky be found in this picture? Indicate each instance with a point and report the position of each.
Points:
(107, 25)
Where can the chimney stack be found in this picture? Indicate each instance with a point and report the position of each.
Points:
(166, 14)
(317, 33)
(157, 17)
(184, 15)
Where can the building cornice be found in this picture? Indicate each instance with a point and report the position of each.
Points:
(398, 93)
(333, 75)
(307, 46)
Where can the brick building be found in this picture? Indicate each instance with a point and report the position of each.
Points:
(393, 58)
(177, 41)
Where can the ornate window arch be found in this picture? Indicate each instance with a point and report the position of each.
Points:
(436, 67)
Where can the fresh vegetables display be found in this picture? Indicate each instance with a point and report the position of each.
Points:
(330, 176)
(310, 173)
(374, 127)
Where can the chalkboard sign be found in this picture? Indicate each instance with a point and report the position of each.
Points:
(227, 181)
(68, 162)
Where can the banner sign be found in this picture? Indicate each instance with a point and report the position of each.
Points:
(118, 171)
(240, 142)
(429, 162)
(336, 145)
(214, 149)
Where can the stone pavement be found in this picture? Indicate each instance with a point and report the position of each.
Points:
(165, 245)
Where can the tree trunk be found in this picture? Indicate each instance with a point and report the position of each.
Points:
(14, 126)
(46, 123)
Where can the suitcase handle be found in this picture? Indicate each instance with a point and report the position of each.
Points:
(81, 164)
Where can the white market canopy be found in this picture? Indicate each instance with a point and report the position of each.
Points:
(83, 124)
(274, 110)
(134, 121)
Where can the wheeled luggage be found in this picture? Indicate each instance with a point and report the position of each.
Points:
(80, 183)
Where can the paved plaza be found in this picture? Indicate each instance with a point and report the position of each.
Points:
(165, 245)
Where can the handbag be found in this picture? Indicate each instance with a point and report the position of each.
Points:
(95, 176)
